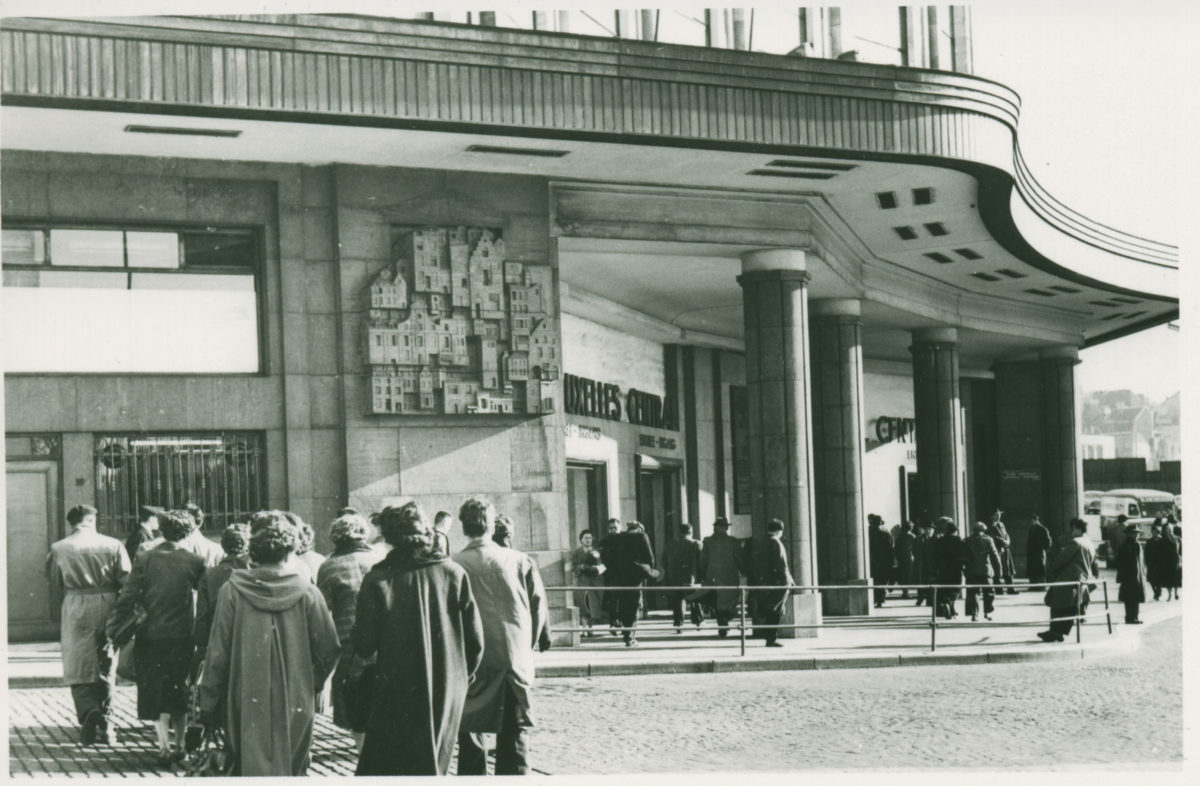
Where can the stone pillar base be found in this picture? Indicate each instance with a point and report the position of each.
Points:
(801, 609)
(847, 602)
(564, 617)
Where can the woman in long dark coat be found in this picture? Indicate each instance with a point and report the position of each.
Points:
(1131, 575)
(950, 554)
(163, 582)
(1172, 562)
(415, 609)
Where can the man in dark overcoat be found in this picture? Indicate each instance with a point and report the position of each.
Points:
(631, 560)
(769, 568)
(681, 563)
(1037, 547)
(1131, 575)
(1074, 562)
(883, 558)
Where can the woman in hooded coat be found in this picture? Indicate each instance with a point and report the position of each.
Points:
(273, 645)
(417, 613)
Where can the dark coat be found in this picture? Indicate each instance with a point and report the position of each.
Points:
(1131, 572)
(210, 584)
(925, 565)
(1037, 546)
(883, 555)
(629, 551)
(1162, 562)
(163, 580)
(950, 557)
(722, 565)
(681, 562)
(769, 568)
(421, 619)
(906, 557)
(135, 540)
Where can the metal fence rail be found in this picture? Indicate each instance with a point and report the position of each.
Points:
(743, 590)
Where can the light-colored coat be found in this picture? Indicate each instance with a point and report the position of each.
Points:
(272, 646)
(512, 604)
(92, 568)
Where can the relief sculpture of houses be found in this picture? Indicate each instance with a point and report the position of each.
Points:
(453, 328)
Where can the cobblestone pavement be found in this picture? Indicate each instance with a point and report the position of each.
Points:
(1111, 711)
(1057, 714)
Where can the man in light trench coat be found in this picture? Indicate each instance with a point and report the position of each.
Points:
(512, 604)
(91, 567)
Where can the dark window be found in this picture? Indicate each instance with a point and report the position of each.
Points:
(739, 433)
(223, 473)
(922, 196)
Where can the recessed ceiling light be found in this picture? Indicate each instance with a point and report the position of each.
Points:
(540, 152)
(793, 164)
(905, 233)
(181, 131)
(939, 257)
(801, 175)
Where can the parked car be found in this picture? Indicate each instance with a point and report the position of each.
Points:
(1139, 506)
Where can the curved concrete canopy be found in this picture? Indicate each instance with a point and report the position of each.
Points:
(964, 215)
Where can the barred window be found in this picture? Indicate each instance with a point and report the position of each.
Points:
(103, 300)
(223, 473)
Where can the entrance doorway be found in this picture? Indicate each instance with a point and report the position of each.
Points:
(33, 524)
(658, 506)
(587, 500)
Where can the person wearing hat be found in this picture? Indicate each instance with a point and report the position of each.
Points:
(999, 534)
(146, 531)
(982, 568)
(769, 568)
(721, 565)
(883, 558)
(1131, 574)
(950, 557)
(1037, 547)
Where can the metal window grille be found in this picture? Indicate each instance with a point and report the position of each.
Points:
(223, 473)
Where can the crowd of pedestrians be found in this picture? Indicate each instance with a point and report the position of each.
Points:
(423, 652)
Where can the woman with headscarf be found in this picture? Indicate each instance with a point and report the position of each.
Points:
(163, 581)
(415, 613)
(339, 579)
(273, 645)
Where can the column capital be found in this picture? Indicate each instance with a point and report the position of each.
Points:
(935, 335)
(835, 307)
(774, 259)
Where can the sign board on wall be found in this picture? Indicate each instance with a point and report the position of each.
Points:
(455, 328)
(597, 399)
(739, 430)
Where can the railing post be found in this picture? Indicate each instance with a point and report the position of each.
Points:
(932, 618)
(1079, 613)
(1107, 612)
(742, 615)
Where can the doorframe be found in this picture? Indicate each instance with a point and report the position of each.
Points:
(56, 530)
(601, 489)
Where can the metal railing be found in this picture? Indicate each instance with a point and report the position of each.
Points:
(932, 589)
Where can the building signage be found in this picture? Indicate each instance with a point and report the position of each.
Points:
(1021, 474)
(576, 431)
(895, 429)
(653, 441)
(596, 399)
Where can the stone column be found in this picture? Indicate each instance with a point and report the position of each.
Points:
(939, 424)
(774, 296)
(837, 418)
(1062, 470)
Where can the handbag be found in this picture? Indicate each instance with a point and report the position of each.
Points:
(359, 691)
(212, 759)
(126, 664)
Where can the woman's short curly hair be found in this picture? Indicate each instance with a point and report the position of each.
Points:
(236, 539)
(265, 518)
(347, 529)
(176, 525)
(272, 542)
(405, 521)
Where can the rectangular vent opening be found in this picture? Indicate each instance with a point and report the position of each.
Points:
(886, 199)
(1127, 300)
(1135, 315)
(967, 253)
(936, 228)
(1068, 290)
(1112, 317)
(1040, 292)
(922, 196)
(905, 233)
(1004, 271)
(178, 131)
(801, 175)
(986, 277)
(939, 257)
(518, 151)
(1104, 303)
(793, 164)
